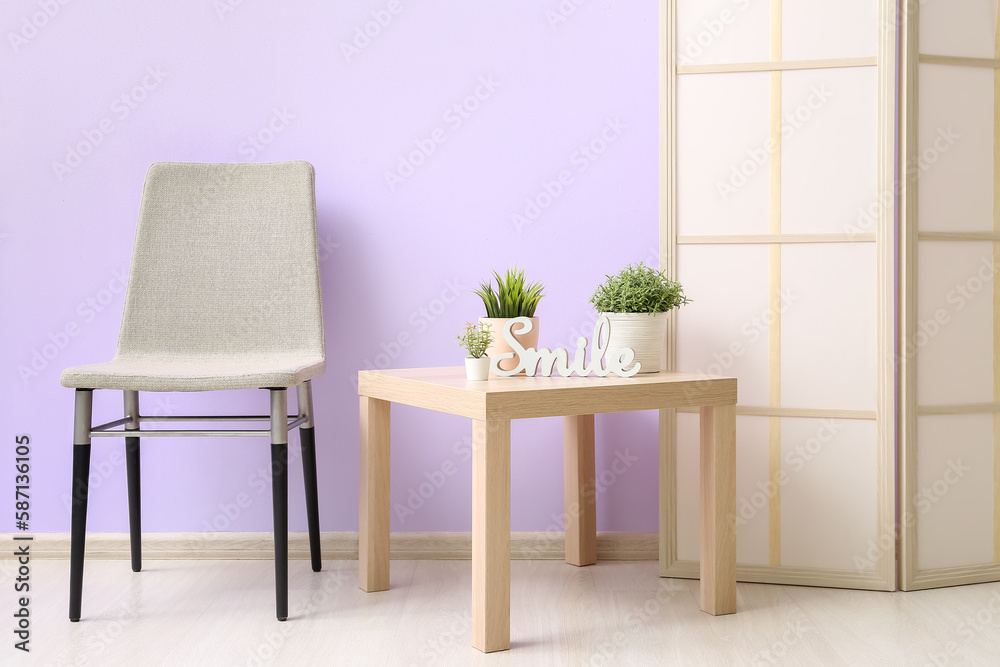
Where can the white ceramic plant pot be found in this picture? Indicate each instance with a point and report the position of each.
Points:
(500, 346)
(477, 369)
(644, 333)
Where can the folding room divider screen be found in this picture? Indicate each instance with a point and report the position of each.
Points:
(950, 311)
(777, 216)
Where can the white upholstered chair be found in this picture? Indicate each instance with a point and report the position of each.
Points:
(223, 293)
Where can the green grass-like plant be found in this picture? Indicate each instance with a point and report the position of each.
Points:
(638, 289)
(476, 338)
(514, 296)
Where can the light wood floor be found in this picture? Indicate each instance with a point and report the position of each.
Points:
(614, 613)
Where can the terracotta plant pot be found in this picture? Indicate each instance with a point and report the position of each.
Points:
(644, 333)
(500, 346)
(477, 369)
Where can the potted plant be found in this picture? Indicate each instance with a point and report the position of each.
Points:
(514, 297)
(636, 301)
(476, 339)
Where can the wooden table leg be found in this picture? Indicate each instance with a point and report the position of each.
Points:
(491, 535)
(718, 506)
(581, 490)
(373, 535)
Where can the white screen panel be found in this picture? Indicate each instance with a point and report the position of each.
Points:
(723, 331)
(828, 510)
(841, 29)
(752, 496)
(955, 149)
(954, 506)
(828, 331)
(722, 181)
(957, 28)
(829, 144)
(954, 338)
(722, 31)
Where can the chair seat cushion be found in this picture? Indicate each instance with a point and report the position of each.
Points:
(193, 374)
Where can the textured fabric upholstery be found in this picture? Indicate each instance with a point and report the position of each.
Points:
(224, 289)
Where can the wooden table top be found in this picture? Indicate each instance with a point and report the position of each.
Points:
(446, 390)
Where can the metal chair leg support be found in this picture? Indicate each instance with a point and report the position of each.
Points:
(307, 441)
(79, 494)
(279, 494)
(307, 437)
(132, 472)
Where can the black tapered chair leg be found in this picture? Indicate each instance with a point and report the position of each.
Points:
(279, 493)
(134, 501)
(78, 530)
(307, 438)
(279, 496)
(79, 496)
(133, 476)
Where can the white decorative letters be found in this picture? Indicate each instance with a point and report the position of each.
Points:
(544, 361)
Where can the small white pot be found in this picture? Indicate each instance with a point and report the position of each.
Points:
(477, 369)
(644, 333)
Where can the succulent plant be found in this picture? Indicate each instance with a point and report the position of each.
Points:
(476, 338)
(514, 296)
(638, 289)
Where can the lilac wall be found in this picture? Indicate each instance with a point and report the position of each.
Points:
(99, 91)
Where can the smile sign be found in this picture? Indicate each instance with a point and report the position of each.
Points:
(544, 361)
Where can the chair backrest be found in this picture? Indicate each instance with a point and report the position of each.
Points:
(225, 264)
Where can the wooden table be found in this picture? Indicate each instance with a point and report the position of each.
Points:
(491, 405)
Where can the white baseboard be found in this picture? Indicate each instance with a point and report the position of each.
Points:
(435, 546)
(336, 546)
